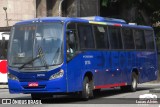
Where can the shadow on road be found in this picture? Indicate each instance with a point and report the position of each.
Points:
(99, 97)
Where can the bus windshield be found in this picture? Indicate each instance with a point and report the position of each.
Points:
(30, 40)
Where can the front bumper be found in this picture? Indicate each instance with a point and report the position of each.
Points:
(52, 86)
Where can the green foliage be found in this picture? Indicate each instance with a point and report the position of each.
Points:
(151, 9)
(104, 3)
(157, 32)
(156, 16)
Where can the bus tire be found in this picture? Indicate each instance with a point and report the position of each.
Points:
(133, 86)
(87, 91)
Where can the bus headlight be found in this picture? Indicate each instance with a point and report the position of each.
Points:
(57, 75)
(12, 77)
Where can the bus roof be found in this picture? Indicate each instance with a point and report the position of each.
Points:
(93, 20)
(51, 19)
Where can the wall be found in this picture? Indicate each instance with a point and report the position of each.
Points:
(88, 8)
(82, 8)
(17, 10)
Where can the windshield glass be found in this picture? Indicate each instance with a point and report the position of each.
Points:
(26, 40)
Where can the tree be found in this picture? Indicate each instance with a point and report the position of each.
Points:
(144, 12)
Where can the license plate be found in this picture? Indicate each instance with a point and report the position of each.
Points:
(33, 84)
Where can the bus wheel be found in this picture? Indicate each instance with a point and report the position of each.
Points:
(133, 86)
(87, 91)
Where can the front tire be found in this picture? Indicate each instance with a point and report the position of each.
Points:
(87, 91)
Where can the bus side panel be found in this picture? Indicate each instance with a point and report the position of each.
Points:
(111, 67)
(95, 62)
(74, 74)
(111, 70)
(147, 62)
(119, 66)
(105, 67)
(90, 61)
(127, 62)
(101, 63)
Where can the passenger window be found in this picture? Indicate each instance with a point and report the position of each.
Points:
(115, 38)
(85, 36)
(149, 39)
(139, 39)
(101, 37)
(71, 41)
(128, 38)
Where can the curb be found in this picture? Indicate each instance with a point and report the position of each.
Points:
(155, 90)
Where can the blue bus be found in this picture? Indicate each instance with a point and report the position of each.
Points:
(60, 55)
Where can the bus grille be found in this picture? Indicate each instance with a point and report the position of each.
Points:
(33, 80)
(39, 87)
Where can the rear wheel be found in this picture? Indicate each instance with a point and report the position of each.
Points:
(133, 86)
(87, 91)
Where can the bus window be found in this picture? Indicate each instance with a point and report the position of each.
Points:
(72, 42)
(101, 37)
(128, 38)
(86, 36)
(139, 39)
(115, 38)
(149, 39)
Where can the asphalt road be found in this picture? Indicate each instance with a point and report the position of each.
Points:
(106, 98)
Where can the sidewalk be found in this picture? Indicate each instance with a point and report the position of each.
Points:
(154, 90)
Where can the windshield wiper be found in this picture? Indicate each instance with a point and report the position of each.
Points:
(40, 55)
(40, 52)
